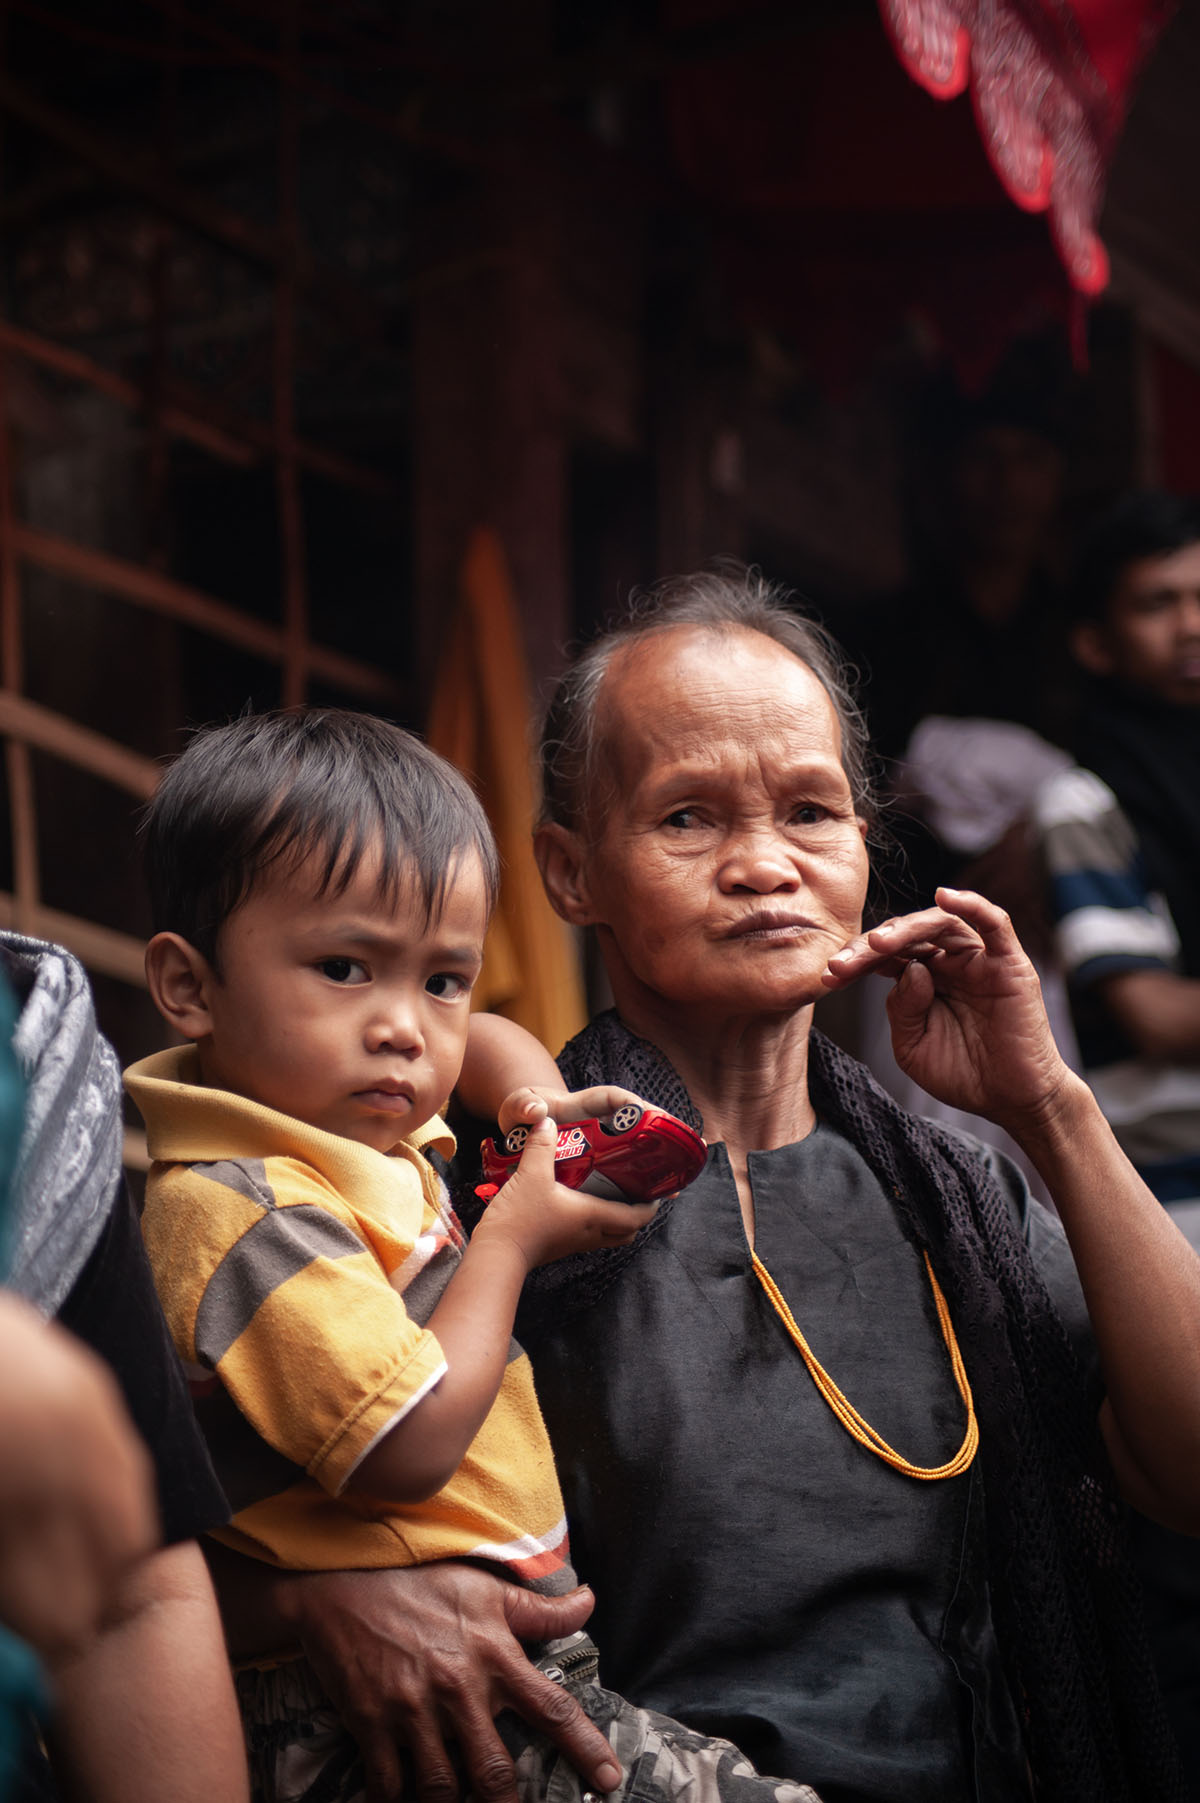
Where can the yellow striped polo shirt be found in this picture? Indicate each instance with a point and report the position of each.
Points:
(295, 1269)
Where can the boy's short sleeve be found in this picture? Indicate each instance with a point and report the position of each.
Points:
(273, 1295)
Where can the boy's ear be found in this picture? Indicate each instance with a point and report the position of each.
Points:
(559, 854)
(180, 978)
(1090, 646)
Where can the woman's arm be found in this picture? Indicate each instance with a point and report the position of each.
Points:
(969, 1026)
(1141, 1281)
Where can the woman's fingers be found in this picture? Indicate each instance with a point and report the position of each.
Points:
(987, 918)
(909, 1002)
(962, 922)
(889, 949)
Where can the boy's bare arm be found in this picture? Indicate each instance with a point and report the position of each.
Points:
(510, 1077)
(532, 1221)
(507, 1074)
(501, 1057)
(146, 1710)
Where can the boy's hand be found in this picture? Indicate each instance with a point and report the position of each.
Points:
(545, 1219)
(526, 1106)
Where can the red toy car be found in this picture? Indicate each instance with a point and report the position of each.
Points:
(635, 1155)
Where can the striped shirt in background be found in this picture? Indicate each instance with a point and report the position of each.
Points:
(1107, 922)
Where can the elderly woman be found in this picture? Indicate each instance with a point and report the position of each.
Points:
(831, 1459)
(765, 1433)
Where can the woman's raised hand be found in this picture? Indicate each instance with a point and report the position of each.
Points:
(966, 1012)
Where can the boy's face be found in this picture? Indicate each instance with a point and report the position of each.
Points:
(1150, 636)
(345, 1011)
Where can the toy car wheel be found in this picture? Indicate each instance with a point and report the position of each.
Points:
(516, 1139)
(626, 1117)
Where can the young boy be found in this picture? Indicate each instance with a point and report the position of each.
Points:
(321, 886)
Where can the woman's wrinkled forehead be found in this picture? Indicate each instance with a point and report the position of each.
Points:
(688, 685)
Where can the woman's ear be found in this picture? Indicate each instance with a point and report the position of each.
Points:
(1090, 647)
(559, 854)
(180, 978)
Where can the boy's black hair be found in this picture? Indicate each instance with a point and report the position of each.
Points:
(326, 783)
(1150, 523)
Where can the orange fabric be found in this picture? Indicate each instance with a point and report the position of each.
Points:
(479, 719)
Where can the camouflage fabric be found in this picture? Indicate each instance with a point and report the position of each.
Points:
(662, 1761)
(300, 1752)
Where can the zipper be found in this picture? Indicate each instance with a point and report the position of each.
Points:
(571, 1663)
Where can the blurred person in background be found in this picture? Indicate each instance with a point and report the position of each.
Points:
(1121, 839)
(973, 632)
(1121, 835)
(968, 691)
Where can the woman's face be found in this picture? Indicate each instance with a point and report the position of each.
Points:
(732, 865)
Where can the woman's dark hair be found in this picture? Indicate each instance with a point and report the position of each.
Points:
(320, 783)
(719, 600)
(1150, 523)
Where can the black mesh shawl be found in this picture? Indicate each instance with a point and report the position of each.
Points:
(1067, 1609)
